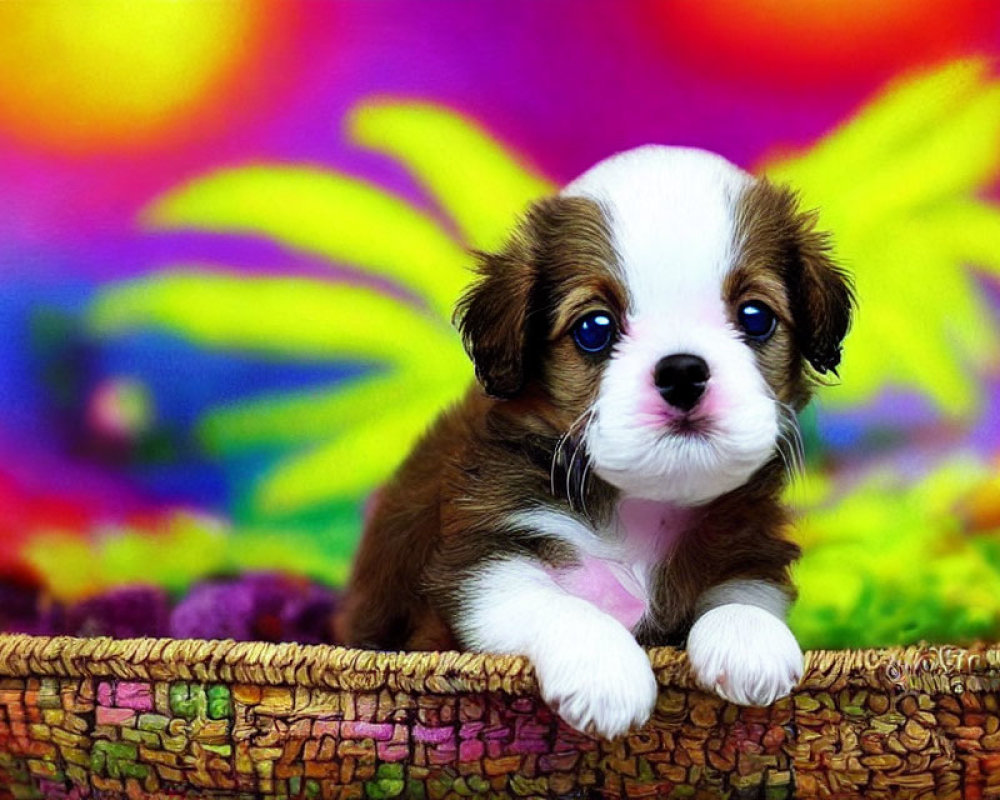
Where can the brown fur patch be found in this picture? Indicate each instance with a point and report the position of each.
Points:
(786, 263)
(559, 259)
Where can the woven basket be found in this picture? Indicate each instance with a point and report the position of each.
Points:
(153, 717)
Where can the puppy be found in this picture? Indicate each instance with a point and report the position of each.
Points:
(642, 344)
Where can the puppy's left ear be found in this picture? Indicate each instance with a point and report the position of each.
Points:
(493, 313)
(822, 296)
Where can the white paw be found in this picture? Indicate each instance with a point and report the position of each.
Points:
(744, 654)
(597, 678)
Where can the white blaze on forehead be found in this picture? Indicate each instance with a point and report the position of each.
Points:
(672, 218)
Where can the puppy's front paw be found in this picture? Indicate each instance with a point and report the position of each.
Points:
(744, 654)
(598, 680)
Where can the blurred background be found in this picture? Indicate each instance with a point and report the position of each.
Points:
(231, 234)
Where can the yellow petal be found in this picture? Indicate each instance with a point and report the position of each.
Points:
(972, 229)
(307, 416)
(301, 317)
(482, 185)
(341, 218)
(905, 109)
(344, 467)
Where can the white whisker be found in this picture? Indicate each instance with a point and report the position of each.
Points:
(790, 444)
(557, 453)
(588, 463)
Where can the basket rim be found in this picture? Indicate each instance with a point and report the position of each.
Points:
(918, 667)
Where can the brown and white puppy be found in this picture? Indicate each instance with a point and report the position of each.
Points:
(642, 344)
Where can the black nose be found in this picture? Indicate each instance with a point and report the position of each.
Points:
(681, 379)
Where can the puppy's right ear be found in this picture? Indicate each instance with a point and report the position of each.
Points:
(493, 313)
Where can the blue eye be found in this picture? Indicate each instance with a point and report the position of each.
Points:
(593, 332)
(757, 321)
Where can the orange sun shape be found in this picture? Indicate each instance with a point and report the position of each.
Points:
(79, 78)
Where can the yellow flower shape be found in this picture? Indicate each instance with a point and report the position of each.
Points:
(365, 426)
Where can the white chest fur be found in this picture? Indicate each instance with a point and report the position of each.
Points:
(615, 566)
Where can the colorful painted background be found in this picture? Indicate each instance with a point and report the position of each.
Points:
(231, 234)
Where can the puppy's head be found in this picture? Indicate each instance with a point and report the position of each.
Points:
(669, 307)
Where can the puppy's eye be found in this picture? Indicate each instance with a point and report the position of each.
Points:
(757, 321)
(593, 332)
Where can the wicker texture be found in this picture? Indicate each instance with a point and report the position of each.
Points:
(156, 718)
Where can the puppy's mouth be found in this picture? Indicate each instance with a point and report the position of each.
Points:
(690, 426)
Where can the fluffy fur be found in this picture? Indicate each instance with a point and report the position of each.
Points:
(565, 510)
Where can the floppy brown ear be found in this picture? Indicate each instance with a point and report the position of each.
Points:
(493, 313)
(822, 296)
